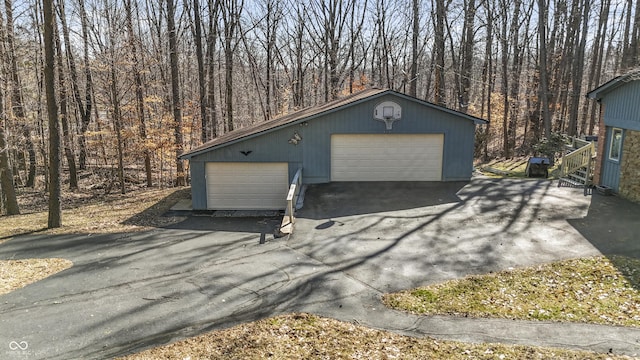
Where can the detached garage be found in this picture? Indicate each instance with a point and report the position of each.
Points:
(373, 135)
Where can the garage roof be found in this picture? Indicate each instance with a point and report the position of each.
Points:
(308, 114)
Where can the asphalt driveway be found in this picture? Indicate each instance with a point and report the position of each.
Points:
(429, 232)
(352, 242)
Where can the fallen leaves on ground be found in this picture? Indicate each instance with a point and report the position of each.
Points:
(597, 290)
(88, 213)
(15, 274)
(305, 336)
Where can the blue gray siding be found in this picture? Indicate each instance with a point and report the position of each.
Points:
(623, 106)
(313, 153)
(610, 173)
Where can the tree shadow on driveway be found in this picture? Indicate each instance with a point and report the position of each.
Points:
(612, 225)
(438, 231)
(246, 224)
(131, 291)
(359, 198)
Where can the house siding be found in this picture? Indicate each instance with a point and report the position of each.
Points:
(622, 106)
(314, 150)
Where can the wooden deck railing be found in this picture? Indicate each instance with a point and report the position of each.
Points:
(577, 159)
(579, 143)
(292, 199)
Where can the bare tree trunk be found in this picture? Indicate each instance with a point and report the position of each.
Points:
(626, 60)
(55, 216)
(487, 79)
(212, 39)
(38, 70)
(298, 80)
(85, 112)
(515, 74)
(197, 34)
(117, 122)
(466, 66)
(596, 66)
(64, 118)
(16, 95)
(544, 75)
(380, 47)
(415, 35)
(175, 93)
(440, 89)
(578, 69)
(504, 41)
(114, 93)
(634, 43)
(139, 91)
(82, 109)
(231, 21)
(6, 175)
(273, 18)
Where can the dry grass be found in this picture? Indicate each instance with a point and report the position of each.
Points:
(15, 274)
(514, 168)
(87, 213)
(304, 336)
(595, 290)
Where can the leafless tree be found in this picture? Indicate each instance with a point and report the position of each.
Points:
(49, 25)
(176, 104)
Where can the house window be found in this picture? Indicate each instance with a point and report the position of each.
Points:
(615, 146)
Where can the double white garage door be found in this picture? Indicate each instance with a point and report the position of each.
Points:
(389, 157)
(361, 157)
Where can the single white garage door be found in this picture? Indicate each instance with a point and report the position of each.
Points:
(247, 186)
(386, 157)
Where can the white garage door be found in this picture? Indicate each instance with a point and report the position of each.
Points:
(388, 157)
(247, 186)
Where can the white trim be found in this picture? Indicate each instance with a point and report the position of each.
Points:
(615, 130)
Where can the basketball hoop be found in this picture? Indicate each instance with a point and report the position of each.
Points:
(387, 112)
(389, 122)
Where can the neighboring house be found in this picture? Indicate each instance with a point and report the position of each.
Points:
(372, 135)
(618, 166)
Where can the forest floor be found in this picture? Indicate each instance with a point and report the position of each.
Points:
(284, 337)
(90, 212)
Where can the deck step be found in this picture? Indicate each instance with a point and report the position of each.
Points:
(578, 178)
(570, 181)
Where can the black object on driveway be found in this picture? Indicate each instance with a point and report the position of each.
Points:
(538, 167)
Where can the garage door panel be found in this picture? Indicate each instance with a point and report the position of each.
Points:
(247, 186)
(388, 157)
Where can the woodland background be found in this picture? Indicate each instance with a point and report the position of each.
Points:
(137, 82)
